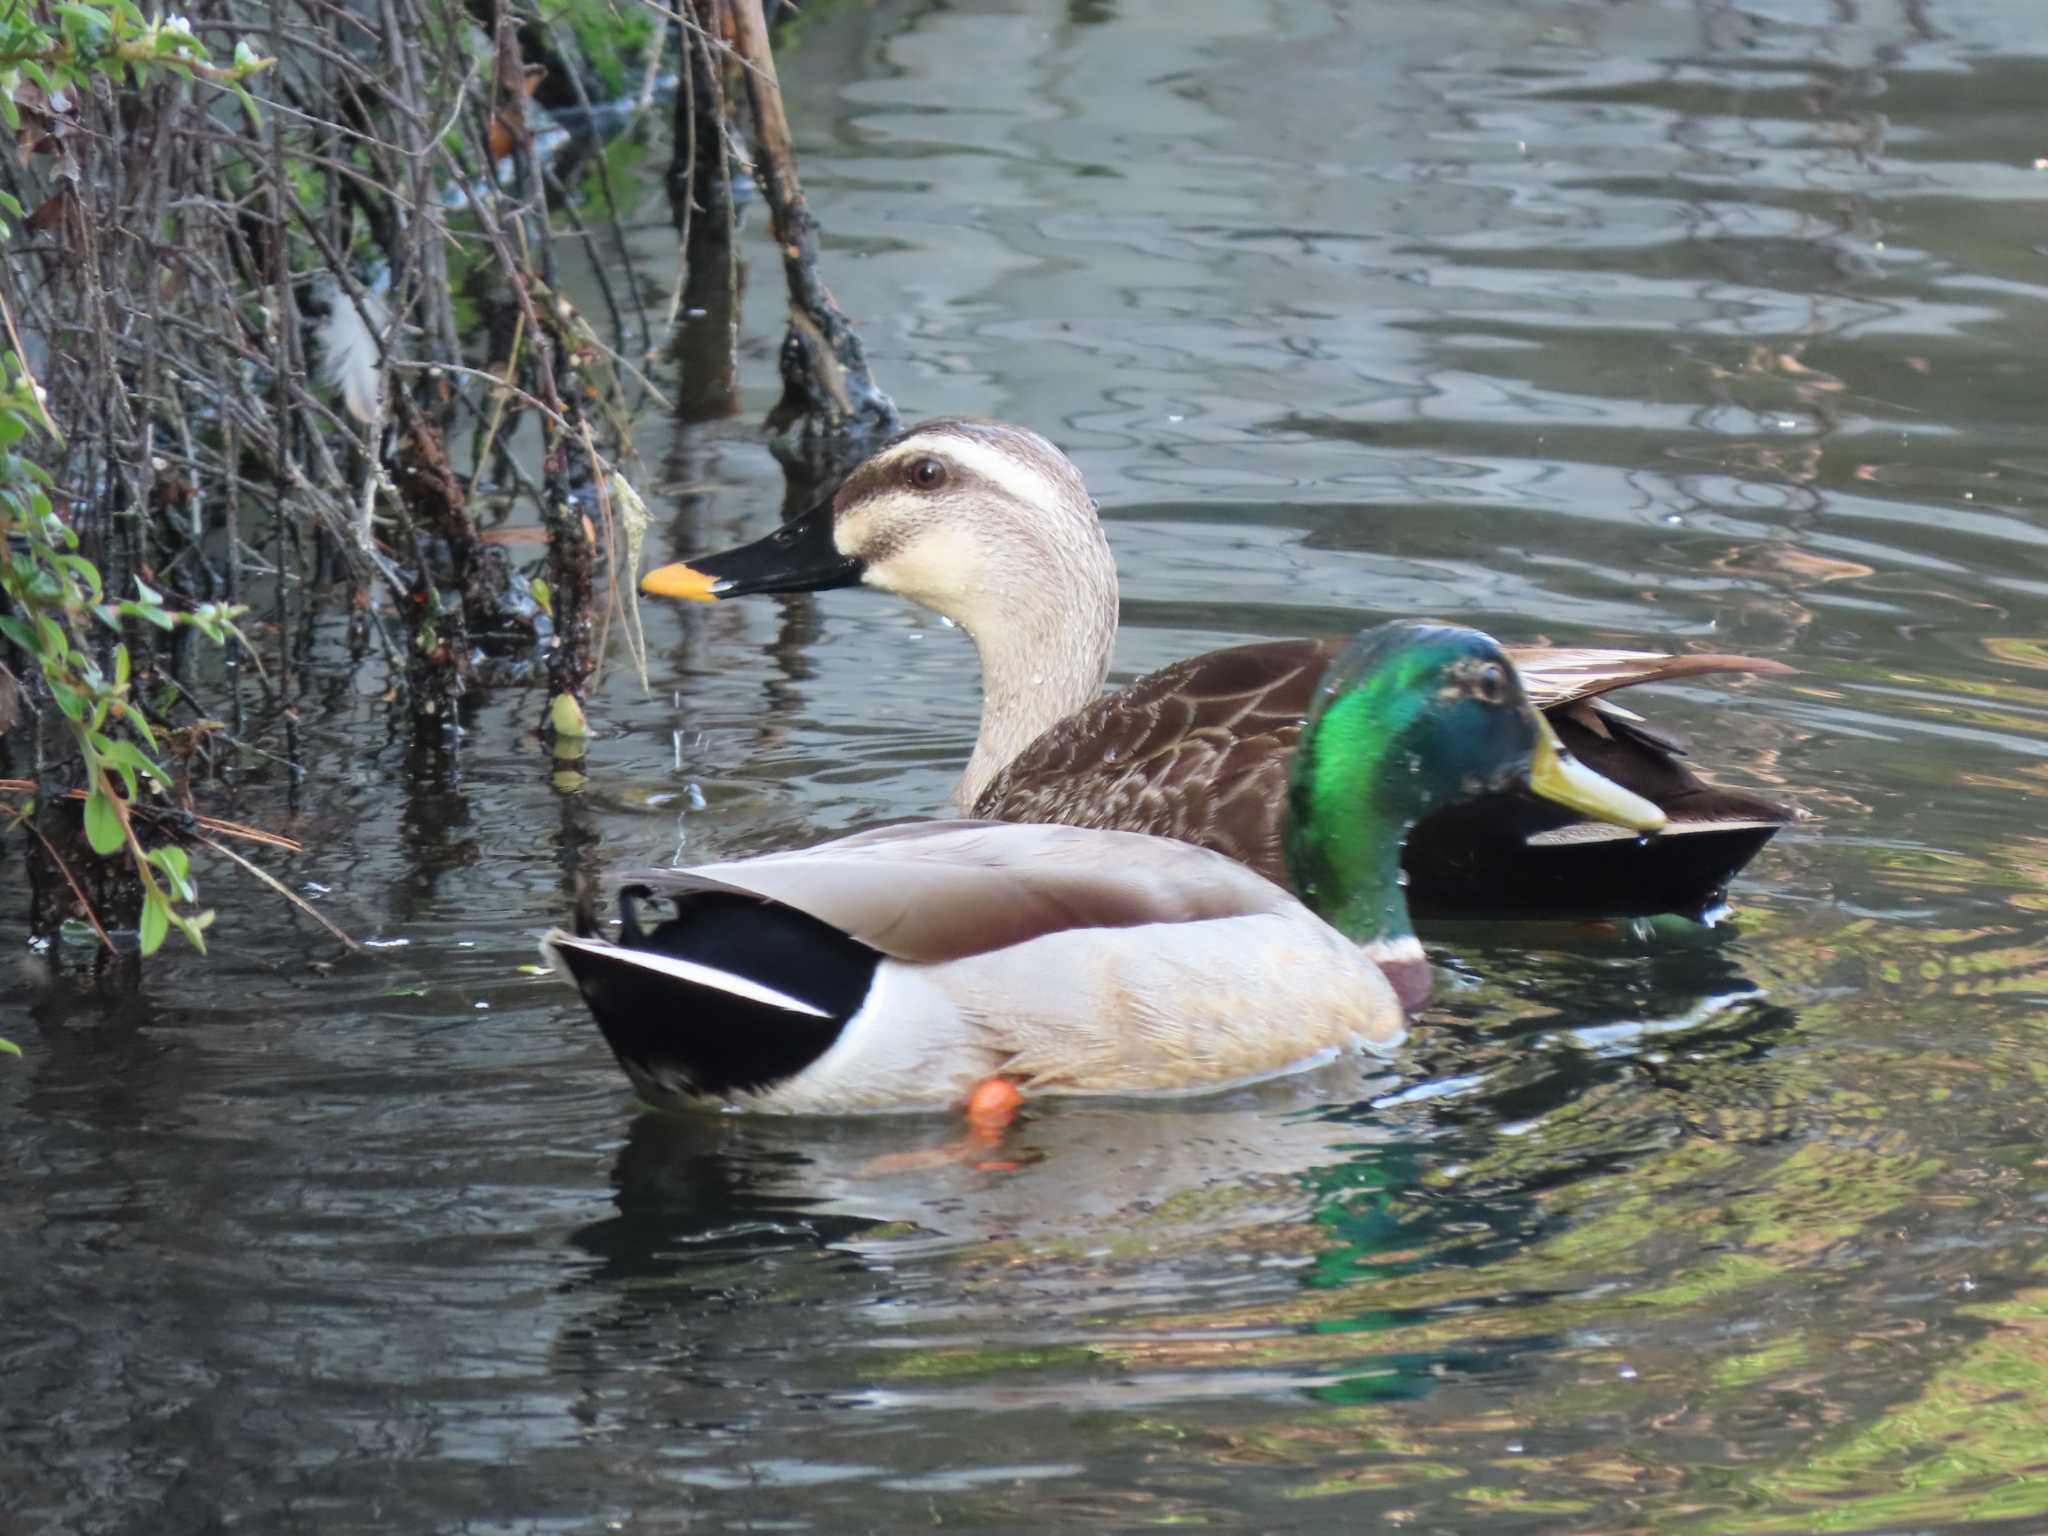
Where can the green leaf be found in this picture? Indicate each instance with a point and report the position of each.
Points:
(103, 827)
(84, 569)
(149, 593)
(177, 867)
(156, 922)
(125, 754)
(120, 666)
(19, 633)
(110, 754)
(192, 927)
(566, 716)
(68, 700)
(9, 1048)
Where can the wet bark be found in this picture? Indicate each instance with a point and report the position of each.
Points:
(572, 572)
(826, 384)
(700, 189)
(69, 883)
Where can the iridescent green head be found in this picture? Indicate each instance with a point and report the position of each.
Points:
(1411, 718)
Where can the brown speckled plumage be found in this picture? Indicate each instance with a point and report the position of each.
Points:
(1201, 751)
(1197, 751)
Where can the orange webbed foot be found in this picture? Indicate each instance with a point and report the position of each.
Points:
(990, 1109)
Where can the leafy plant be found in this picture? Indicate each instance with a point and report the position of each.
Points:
(55, 600)
(53, 596)
(112, 39)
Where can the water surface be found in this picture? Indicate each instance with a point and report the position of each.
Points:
(1689, 323)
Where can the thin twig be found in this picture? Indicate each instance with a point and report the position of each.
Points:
(225, 828)
(496, 381)
(280, 887)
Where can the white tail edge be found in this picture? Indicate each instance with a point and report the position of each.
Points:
(690, 971)
(1602, 832)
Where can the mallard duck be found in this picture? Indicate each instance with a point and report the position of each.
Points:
(900, 968)
(991, 526)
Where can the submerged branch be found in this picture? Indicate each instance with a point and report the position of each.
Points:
(279, 887)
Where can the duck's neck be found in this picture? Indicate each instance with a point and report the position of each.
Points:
(1044, 654)
(1349, 873)
(1347, 869)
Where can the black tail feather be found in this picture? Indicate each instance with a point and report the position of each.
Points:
(1469, 871)
(680, 1038)
(1475, 860)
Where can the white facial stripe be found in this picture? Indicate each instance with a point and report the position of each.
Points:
(1017, 477)
(691, 971)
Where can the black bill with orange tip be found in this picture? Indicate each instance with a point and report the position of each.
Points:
(797, 557)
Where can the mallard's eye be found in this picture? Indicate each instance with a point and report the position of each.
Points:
(1492, 683)
(925, 474)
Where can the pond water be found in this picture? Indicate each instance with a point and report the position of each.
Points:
(1690, 323)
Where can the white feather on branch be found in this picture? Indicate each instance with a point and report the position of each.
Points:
(350, 360)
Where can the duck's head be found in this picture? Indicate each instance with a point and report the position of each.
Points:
(966, 517)
(1409, 719)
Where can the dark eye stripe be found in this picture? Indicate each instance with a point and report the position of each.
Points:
(883, 474)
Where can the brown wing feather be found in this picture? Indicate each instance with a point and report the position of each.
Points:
(1197, 751)
(929, 892)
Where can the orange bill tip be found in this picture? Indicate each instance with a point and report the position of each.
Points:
(680, 580)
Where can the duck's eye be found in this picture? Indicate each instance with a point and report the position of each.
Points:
(925, 474)
(1492, 683)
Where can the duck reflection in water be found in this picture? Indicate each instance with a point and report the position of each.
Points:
(1226, 1206)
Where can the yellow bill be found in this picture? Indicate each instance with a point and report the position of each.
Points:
(680, 580)
(1556, 775)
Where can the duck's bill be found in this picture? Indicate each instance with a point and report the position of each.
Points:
(1556, 775)
(797, 557)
